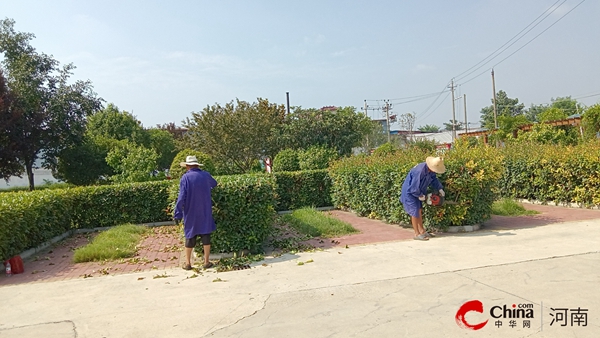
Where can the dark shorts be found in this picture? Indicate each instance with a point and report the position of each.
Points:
(191, 242)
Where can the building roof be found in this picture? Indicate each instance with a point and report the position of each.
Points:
(441, 137)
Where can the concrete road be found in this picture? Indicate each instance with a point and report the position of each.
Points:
(398, 289)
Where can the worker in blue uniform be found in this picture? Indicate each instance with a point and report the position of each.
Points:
(414, 190)
(194, 206)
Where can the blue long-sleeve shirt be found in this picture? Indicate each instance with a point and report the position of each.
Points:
(194, 204)
(417, 181)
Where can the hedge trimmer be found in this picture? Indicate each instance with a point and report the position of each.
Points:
(437, 200)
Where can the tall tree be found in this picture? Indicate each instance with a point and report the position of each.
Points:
(237, 133)
(163, 144)
(457, 125)
(53, 111)
(9, 142)
(85, 163)
(340, 129)
(429, 128)
(505, 106)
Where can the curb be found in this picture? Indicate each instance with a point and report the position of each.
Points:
(463, 228)
(30, 252)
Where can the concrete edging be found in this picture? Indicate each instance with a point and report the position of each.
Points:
(463, 228)
(30, 252)
(559, 204)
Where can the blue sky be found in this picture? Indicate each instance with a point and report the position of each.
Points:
(162, 60)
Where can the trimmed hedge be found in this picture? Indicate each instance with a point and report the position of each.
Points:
(371, 185)
(243, 209)
(28, 219)
(297, 189)
(110, 205)
(550, 173)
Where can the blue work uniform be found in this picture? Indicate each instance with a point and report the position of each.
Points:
(194, 203)
(417, 181)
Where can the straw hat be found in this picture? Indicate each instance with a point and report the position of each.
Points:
(436, 164)
(190, 160)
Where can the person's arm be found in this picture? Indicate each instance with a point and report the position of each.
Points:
(415, 184)
(436, 184)
(180, 204)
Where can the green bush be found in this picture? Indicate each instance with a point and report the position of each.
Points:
(385, 149)
(316, 158)
(28, 219)
(286, 160)
(110, 205)
(309, 188)
(550, 173)
(243, 209)
(371, 186)
(176, 170)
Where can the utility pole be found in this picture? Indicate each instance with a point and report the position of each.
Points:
(495, 109)
(453, 113)
(287, 96)
(465, 108)
(387, 118)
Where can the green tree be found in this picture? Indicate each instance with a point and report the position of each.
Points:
(117, 124)
(164, 144)
(567, 104)
(316, 157)
(176, 170)
(457, 125)
(84, 163)
(340, 129)
(430, 128)
(505, 107)
(9, 118)
(132, 163)
(552, 114)
(286, 160)
(591, 122)
(53, 110)
(237, 134)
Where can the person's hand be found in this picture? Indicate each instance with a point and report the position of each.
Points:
(422, 198)
(442, 193)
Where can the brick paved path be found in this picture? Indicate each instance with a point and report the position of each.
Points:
(162, 250)
(159, 251)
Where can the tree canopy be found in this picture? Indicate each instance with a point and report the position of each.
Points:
(505, 106)
(50, 111)
(236, 134)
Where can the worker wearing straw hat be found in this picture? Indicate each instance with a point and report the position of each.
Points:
(414, 189)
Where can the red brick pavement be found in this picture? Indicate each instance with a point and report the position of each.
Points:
(158, 251)
(163, 248)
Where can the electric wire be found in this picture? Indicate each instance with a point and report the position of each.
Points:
(461, 76)
(527, 43)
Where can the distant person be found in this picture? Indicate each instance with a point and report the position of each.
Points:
(414, 189)
(194, 206)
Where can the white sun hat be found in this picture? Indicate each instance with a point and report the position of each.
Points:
(190, 160)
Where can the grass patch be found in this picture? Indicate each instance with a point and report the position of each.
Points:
(510, 207)
(317, 224)
(118, 242)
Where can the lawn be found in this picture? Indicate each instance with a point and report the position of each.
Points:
(118, 242)
(510, 207)
(317, 224)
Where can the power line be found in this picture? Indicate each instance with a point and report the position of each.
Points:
(527, 43)
(460, 76)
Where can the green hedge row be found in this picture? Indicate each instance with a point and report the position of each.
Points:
(28, 219)
(371, 185)
(297, 189)
(550, 173)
